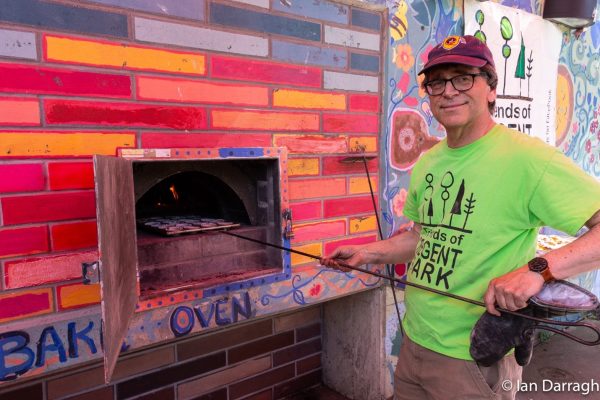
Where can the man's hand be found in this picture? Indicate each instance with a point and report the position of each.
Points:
(511, 291)
(351, 255)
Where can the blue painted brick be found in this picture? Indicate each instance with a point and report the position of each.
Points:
(192, 9)
(364, 62)
(317, 9)
(366, 19)
(305, 54)
(63, 17)
(262, 22)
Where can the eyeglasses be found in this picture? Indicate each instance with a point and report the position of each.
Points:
(461, 83)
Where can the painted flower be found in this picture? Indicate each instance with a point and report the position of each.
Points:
(398, 202)
(315, 290)
(420, 80)
(403, 57)
(588, 146)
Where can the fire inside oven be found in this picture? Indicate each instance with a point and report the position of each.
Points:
(182, 208)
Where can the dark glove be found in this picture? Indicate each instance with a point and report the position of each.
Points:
(492, 337)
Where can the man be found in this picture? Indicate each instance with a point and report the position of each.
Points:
(477, 199)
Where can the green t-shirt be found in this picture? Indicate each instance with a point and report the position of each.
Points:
(480, 207)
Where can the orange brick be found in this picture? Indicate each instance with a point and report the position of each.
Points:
(363, 143)
(315, 249)
(360, 184)
(185, 90)
(312, 188)
(303, 166)
(264, 120)
(78, 295)
(307, 99)
(363, 224)
(312, 144)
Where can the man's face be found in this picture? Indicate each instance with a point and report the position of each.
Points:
(454, 108)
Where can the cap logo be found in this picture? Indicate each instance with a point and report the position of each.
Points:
(451, 42)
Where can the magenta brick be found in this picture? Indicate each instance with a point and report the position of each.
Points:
(348, 206)
(306, 210)
(262, 71)
(364, 102)
(21, 178)
(336, 165)
(349, 123)
(77, 235)
(48, 207)
(331, 246)
(25, 78)
(71, 175)
(25, 304)
(161, 140)
(22, 241)
(123, 114)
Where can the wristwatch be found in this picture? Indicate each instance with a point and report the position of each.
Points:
(540, 265)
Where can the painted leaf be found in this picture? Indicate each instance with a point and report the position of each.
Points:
(506, 28)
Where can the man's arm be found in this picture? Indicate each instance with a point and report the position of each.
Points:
(511, 291)
(397, 249)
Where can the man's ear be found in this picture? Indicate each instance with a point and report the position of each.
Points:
(491, 97)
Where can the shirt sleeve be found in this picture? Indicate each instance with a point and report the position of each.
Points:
(565, 196)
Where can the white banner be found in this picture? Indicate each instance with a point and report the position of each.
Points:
(526, 50)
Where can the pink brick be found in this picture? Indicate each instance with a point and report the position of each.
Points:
(348, 206)
(123, 114)
(311, 144)
(350, 123)
(21, 178)
(40, 271)
(336, 166)
(73, 236)
(306, 210)
(364, 102)
(71, 175)
(262, 71)
(311, 188)
(331, 246)
(23, 241)
(48, 207)
(161, 140)
(25, 304)
(319, 231)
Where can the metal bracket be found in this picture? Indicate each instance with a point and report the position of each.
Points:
(90, 272)
(288, 231)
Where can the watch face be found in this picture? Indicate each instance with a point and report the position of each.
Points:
(537, 264)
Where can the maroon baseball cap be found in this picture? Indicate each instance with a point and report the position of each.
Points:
(466, 50)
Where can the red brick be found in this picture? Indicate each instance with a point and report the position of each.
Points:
(348, 123)
(123, 114)
(311, 144)
(161, 140)
(264, 395)
(348, 206)
(296, 352)
(308, 364)
(39, 271)
(77, 235)
(319, 231)
(23, 241)
(306, 210)
(71, 175)
(48, 207)
(285, 389)
(307, 332)
(25, 304)
(261, 346)
(25, 78)
(21, 178)
(262, 71)
(105, 393)
(331, 246)
(364, 102)
(261, 381)
(335, 166)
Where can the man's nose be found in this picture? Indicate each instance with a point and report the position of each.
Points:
(449, 90)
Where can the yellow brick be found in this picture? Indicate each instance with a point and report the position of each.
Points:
(30, 144)
(359, 184)
(363, 143)
(304, 99)
(313, 248)
(303, 166)
(363, 224)
(122, 56)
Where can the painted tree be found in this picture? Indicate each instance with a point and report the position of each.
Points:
(456, 208)
(520, 70)
(506, 30)
(480, 18)
(529, 68)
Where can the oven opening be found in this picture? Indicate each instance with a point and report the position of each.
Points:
(182, 206)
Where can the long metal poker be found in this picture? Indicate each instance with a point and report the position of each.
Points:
(436, 291)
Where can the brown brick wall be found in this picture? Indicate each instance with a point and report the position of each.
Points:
(263, 360)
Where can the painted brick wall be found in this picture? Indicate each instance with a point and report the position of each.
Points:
(79, 78)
